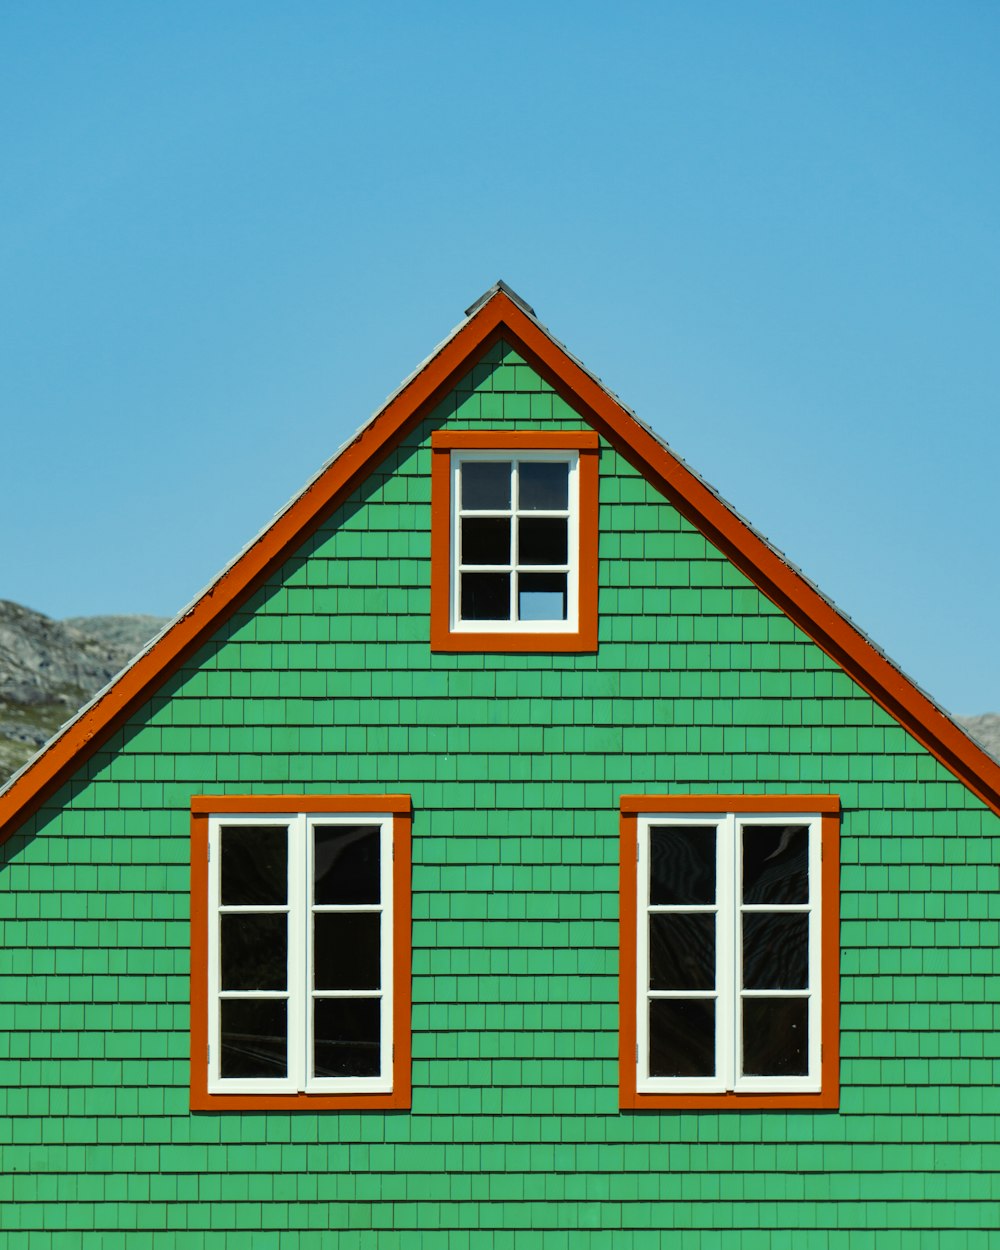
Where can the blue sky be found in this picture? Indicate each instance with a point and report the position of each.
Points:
(227, 231)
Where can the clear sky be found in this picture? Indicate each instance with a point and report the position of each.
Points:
(228, 230)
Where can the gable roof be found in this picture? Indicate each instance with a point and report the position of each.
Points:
(500, 313)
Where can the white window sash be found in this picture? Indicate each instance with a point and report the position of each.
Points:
(358, 1084)
(299, 997)
(572, 567)
(729, 957)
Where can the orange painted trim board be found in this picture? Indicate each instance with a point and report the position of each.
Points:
(292, 804)
(515, 440)
(774, 803)
(443, 637)
(202, 806)
(500, 317)
(828, 806)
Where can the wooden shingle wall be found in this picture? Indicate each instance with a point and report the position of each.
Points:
(325, 683)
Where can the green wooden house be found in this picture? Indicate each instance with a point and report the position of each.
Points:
(509, 849)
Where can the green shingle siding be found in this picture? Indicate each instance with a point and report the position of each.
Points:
(324, 682)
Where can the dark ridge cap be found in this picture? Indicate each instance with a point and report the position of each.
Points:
(500, 285)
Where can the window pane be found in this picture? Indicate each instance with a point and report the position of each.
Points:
(681, 951)
(775, 1036)
(485, 540)
(541, 596)
(346, 1035)
(681, 864)
(542, 540)
(485, 596)
(254, 951)
(254, 864)
(775, 951)
(543, 485)
(254, 1037)
(485, 484)
(682, 1037)
(346, 950)
(346, 864)
(775, 864)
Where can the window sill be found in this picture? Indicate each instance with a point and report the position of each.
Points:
(629, 1100)
(396, 1101)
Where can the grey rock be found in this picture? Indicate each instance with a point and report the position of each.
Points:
(985, 729)
(49, 669)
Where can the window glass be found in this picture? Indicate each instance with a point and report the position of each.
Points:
(254, 864)
(486, 596)
(542, 596)
(775, 863)
(681, 1037)
(346, 863)
(775, 950)
(775, 1037)
(682, 864)
(347, 948)
(544, 486)
(485, 485)
(346, 1037)
(485, 540)
(254, 950)
(254, 1034)
(542, 540)
(682, 951)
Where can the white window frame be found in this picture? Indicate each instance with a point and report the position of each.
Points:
(300, 995)
(728, 993)
(571, 624)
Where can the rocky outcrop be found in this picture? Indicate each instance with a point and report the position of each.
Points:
(49, 669)
(985, 729)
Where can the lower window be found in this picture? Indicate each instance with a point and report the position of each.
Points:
(729, 951)
(300, 951)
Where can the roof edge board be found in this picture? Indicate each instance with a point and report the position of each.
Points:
(500, 287)
(499, 312)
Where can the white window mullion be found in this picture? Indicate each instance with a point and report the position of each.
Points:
(298, 942)
(727, 945)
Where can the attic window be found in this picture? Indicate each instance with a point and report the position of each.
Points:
(515, 542)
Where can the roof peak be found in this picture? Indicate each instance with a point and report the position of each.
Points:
(495, 289)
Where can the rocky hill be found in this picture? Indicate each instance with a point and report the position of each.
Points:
(49, 669)
(985, 728)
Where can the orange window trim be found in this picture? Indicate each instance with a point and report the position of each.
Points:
(828, 808)
(443, 637)
(203, 806)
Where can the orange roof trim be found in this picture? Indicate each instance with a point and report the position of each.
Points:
(500, 316)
